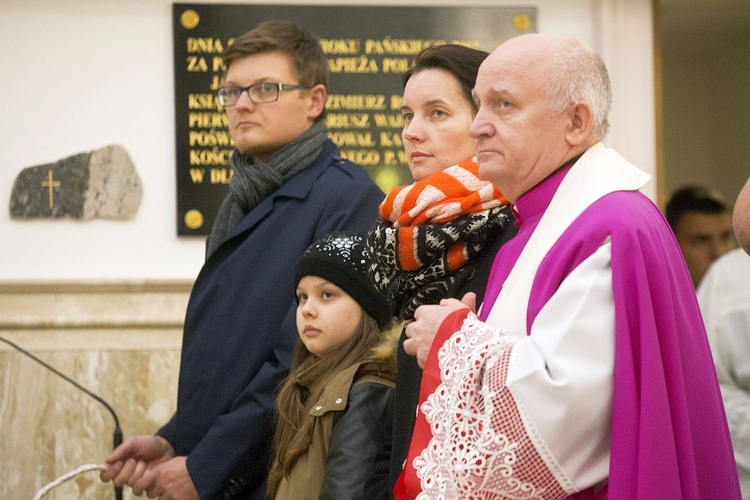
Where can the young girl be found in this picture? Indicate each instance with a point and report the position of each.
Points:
(333, 414)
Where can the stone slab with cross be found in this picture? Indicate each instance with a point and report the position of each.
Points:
(102, 183)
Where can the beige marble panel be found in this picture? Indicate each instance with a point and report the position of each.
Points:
(120, 343)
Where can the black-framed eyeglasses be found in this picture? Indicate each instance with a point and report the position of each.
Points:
(258, 92)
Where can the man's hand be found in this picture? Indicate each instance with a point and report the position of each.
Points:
(132, 461)
(172, 481)
(427, 321)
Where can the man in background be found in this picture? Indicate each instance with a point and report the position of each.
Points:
(289, 189)
(702, 223)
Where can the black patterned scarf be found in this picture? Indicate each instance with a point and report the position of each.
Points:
(428, 234)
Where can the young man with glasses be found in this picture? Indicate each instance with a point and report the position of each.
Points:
(290, 188)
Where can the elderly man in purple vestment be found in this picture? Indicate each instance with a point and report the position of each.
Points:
(587, 373)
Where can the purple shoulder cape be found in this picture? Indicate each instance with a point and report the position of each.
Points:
(669, 432)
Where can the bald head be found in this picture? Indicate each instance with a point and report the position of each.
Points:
(571, 72)
(543, 100)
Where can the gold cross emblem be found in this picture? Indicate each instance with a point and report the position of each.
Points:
(51, 184)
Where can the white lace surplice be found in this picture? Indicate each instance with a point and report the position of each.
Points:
(505, 422)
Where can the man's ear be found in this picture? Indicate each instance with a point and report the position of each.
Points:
(580, 125)
(318, 96)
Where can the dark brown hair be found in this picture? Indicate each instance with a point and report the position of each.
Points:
(301, 45)
(303, 48)
(460, 61)
(694, 199)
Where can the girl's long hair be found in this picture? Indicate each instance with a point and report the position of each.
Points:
(293, 423)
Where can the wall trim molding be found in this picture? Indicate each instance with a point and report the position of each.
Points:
(56, 305)
(96, 286)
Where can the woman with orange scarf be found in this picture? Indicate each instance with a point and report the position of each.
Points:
(437, 237)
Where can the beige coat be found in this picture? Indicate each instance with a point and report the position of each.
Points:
(308, 475)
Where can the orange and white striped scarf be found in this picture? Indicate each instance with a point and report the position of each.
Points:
(441, 197)
(428, 232)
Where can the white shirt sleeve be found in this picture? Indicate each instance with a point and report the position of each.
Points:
(724, 297)
(561, 375)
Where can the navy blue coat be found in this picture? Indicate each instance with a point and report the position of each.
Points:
(240, 324)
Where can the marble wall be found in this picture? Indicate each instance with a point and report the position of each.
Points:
(121, 341)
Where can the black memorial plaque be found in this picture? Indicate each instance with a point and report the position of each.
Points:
(368, 49)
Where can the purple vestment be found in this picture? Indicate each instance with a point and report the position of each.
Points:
(669, 433)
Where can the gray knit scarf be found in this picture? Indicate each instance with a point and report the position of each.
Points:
(253, 182)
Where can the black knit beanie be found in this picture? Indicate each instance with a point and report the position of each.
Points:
(342, 259)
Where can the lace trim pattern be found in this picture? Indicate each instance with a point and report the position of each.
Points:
(480, 448)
